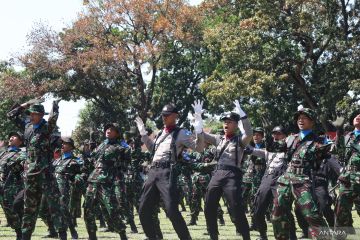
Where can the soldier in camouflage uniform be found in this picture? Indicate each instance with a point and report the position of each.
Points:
(107, 157)
(202, 168)
(122, 189)
(37, 170)
(66, 168)
(11, 182)
(305, 155)
(259, 167)
(349, 178)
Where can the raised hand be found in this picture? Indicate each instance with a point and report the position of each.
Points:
(140, 125)
(238, 109)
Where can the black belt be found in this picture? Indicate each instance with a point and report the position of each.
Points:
(228, 167)
(299, 170)
(160, 164)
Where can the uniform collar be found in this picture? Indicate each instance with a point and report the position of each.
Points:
(13, 149)
(36, 126)
(259, 145)
(304, 133)
(357, 133)
(67, 155)
(169, 128)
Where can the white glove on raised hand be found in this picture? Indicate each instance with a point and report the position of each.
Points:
(140, 125)
(198, 122)
(238, 109)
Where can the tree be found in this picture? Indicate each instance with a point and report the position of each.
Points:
(113, 56)
(279, 54)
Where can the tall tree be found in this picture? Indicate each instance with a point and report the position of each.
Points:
(278, 54)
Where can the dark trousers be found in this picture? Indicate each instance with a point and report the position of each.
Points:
(160, 183)
(228, 183)
(264, 197)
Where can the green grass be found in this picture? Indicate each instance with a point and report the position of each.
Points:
(227, 232)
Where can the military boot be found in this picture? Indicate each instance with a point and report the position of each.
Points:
(62, 235)
(73, 232)
(221, 220)
(92, 236)
(51, 233)
(133, 226)
(192, 221)
(26, 236)
(18, 234)
(123, 235)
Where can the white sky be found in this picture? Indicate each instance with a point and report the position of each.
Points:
(17, 18)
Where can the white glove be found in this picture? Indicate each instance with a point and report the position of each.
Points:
(238, 109)
(140, 125)
(198, 122)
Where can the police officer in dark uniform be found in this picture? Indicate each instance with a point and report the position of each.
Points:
(163, 172)
(227, 176)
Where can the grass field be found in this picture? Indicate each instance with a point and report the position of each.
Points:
(227, 232)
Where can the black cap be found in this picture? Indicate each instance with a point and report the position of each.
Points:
(18, 134)
(68, 140)
(116, 126)
(169, 109)
(279, 129)
(230, 116)
(259, 130)
(353, 115)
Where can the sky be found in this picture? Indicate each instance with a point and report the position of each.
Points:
(17, 19)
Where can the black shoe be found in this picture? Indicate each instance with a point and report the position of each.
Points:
(18, 234)
(221, 221)
(214, 237)
(123, 235)
(26, 236)
(92, 236)
(62, 235)
(192, 222)
(74, 234)
(133, 227)
(51, 234)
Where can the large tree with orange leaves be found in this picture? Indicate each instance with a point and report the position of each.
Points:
(115, 55)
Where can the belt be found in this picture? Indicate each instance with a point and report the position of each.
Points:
(298, 170)
(160, 164)
(227, 167)
(352, 168)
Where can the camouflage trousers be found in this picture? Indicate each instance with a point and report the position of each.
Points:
(246, 193)
(285, 195)
(75, 200)
(36, 186)
(123, 197)
(63, 185)
(198, 193)
(104, 193)
(10, 190)
(349, 193)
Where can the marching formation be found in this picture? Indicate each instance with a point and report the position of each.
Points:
(263, 174)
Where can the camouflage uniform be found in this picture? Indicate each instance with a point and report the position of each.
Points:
(349, 182)
(108, 157)
(11, 183)
(38, 177)
(66, 168)
(296, 184)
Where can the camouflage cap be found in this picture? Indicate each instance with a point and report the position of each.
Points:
(353, 115)
(306, 111)
(68, 140)
(18, 134)
(36, 108)
(115, 126)
(230, 116)
(259, 130)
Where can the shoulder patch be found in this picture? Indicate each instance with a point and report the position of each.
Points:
(187, 132)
